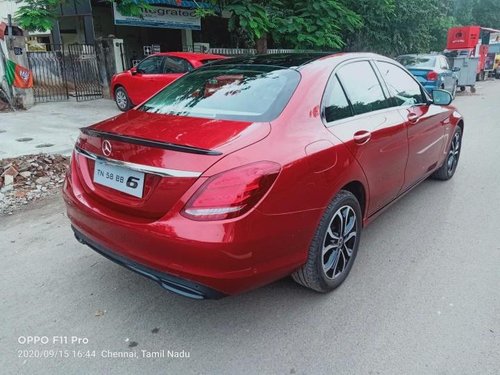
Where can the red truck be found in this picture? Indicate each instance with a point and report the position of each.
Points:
(468, 41)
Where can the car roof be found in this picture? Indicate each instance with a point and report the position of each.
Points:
(283, 60)
(422, 55)
(192, 55)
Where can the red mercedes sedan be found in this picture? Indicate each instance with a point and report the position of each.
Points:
(137, 84)
(254, 168)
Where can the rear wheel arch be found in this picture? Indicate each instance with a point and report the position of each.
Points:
(359, 191)
(117, 86)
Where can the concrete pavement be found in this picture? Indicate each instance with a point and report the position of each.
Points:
(49, 127)
(423, 296)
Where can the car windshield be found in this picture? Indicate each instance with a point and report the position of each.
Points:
(246, 93)
(417, 61)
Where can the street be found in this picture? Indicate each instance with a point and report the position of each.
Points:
(49, 127)
(423, 296)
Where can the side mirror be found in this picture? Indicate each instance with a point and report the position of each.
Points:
(135, 71)
(441, 97)
(455, 69)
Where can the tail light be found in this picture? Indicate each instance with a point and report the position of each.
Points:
(232, 193)
(432, 76)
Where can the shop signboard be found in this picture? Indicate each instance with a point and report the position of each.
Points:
(162, 17)
(495, 38)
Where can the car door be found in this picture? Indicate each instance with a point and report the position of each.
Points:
(425, 122)
(146, 79)
(358, 113)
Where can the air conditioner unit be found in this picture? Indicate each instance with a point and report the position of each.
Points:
(201, 47)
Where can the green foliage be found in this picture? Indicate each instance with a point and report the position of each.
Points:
(37, 15)
(477, 12)
(131, 7)
(487, 13)
(390, 27)
(250, 16)
(314, 24)
(394, 27)
(298, 24)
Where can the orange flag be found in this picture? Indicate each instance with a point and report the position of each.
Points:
(18, 75)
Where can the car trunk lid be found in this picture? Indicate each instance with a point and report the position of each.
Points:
(420, 73)
(170, 151)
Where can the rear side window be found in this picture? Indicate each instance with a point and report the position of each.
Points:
(176, 65)
(246, 93)
(362, 87)
(336, 105)
(403, 89)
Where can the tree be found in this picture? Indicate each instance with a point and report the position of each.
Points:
(462, 11)
(373, 35)
(314, 24)
(389, 27)
(394, 27)
(487, 13)
(299, 24)
(477, 12)
(39, 15)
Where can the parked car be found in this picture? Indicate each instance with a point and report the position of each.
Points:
(432, 71)
(156, 71)
(254, 168)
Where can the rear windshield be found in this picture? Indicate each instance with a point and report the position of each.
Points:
(417, 61)
(246, 93)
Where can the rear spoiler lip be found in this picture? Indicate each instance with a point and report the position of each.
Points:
(149, 143)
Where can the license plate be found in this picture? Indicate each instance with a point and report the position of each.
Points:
(119, 178)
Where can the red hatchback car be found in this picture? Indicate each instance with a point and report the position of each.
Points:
(137, 84)
(254, 168)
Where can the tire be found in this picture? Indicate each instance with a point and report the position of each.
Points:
(324, 278)
(447, 170)
(454, 91)
(122, 100)
(462, 88)
(473, 89)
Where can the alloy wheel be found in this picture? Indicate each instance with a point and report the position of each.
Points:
(121, 99)
(339, 242)
(454, 153)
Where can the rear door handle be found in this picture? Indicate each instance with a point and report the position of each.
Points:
(413, 117)
(362, 136)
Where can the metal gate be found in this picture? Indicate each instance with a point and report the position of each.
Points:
(85, 71)
(60, 72)
(49, 73)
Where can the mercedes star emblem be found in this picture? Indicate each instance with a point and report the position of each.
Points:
(106, 148)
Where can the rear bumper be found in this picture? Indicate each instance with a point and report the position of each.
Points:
(195, 259)
(185, 288)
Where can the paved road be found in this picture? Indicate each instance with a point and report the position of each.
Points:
(50, 127)
(423, 296)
